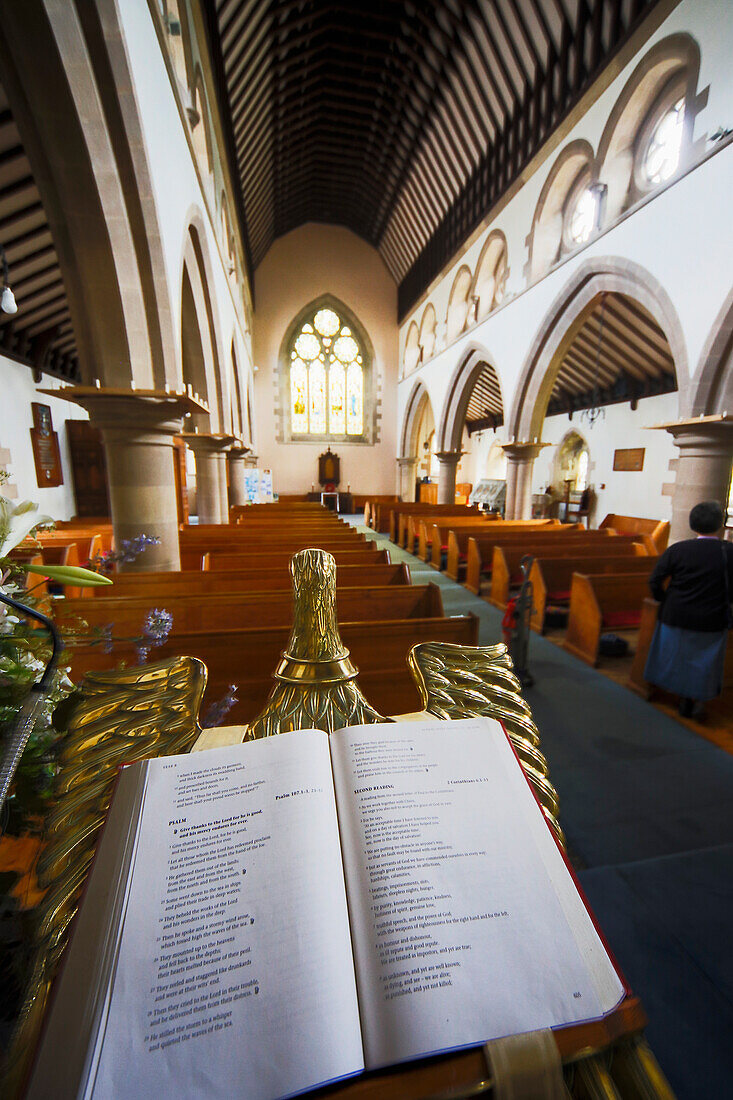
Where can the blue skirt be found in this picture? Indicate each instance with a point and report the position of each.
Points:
(687, 662)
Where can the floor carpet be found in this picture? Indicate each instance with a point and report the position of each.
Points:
(647, 807)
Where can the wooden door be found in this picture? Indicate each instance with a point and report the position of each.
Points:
(88, 468)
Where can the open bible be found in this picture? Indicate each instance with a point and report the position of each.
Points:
(268, 917)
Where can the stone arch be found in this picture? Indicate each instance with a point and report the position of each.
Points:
(201, 125)
(545, 240)
(473, 363)
(457, 312)
(417, 403)
(711, 390)
(74, 146)
(564, 319)
(201, 354)
(178, 38)
(675, 61)
(491, 273)
(428, 332)
(411, 357)
(238, 428)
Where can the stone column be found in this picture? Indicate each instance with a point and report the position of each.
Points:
(520, 460)
(237, 486)
(137, 430)
(251, 461)
(209, 452)
(407, 468)
(447, 475)
(703, 466)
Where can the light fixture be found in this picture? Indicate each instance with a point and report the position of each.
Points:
(8, 303)
(596, 410)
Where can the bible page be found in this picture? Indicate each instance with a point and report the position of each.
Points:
(466, 922)
(235, 976)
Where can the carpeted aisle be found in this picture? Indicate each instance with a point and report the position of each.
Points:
(647, 807)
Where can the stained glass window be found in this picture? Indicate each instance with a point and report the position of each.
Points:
(326, 378)
(583, 217)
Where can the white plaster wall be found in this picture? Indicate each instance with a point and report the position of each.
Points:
(18, 390)
(178, 192)
(627, 493)
(306, 263)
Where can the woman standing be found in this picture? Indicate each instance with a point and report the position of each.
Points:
(688, 648)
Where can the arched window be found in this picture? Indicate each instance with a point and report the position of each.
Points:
(661, 153)
(328, 375)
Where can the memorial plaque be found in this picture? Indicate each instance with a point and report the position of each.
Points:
(629, 459)
(45, 442)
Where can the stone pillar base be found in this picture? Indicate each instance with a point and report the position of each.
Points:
(407, 467)
(237, 483)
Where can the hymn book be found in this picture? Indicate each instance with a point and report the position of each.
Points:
(268, 917)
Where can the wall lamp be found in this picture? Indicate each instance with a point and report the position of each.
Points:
(8, 303)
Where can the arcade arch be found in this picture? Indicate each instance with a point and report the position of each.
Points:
(416, 441)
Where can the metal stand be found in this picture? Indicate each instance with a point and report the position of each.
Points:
(518, 625)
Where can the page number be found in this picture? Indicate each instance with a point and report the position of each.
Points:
(577, 995)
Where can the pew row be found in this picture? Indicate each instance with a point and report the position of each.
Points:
(370, 505)
(458, 539)
(601, 603)
(656, 530)
(552, 578)
(247, 658)
(506, 574)
(403, 525)
(262, 578)
(258, 557)
(480, 549)
(240, 610)
(436, 550)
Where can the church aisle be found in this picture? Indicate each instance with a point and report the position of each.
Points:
(647, 807)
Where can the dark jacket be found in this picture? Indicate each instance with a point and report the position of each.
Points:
(695, 596)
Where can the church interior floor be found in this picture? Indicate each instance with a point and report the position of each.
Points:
(646, 801)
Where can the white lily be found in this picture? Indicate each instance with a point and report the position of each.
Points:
(17, 521)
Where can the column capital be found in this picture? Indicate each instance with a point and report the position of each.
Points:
(699, 430)
(407, 462)
(238, 451)
(525, 451)
(449, 457)
(109, 408)
(208, 443)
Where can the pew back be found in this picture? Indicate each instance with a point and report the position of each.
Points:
(552, 577)
(598, 603)
(259, 556)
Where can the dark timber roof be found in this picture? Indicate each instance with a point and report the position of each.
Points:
(40, 333)
(404, 120)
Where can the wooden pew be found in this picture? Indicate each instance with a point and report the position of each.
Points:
(278, 507)
(457, 545)
(656, 530)
(437, 551)
(480, 549)
(264, 578)
(250, 541)
(370, 505)
(552, 577)
(505, 571)
(239, 610)
(599, 603)
(54, 551)
(399, 519)
(244, 558)
(102, 529)
(24, 554)
(248, 659)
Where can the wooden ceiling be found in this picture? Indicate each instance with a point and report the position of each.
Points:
(485, 408)
(401, 119)
(40, 333)
(629, 359)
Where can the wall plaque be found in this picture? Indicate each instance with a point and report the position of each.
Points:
(46, 454)
(630, 458)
